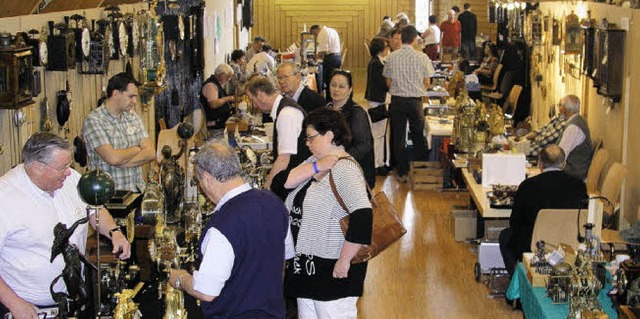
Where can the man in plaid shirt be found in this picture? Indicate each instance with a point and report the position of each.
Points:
(547, 134)
(408, 74)
(116, 139)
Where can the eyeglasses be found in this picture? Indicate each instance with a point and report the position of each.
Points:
(58, 169)
(310, 138)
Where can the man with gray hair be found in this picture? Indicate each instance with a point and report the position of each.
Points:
(290, 83)
(214, 100)
(34, 197)
(553, 188)
(576, 138)
(243, 247)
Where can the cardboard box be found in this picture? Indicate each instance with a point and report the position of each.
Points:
(536, 279)
(465, 225)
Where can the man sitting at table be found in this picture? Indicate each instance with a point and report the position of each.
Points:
(576, 139)
(553, 188)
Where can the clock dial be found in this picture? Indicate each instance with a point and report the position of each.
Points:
(44, 53)
(124, 40)
(135, 33)
(86, 42)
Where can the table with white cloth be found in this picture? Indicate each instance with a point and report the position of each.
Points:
(436, 130)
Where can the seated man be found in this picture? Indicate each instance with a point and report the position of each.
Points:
(117, 141)
(549, 133)
(553, 188)
(290, 84)
(576, 139)
(34, 197)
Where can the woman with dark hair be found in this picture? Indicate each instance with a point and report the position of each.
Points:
(240, 75)
(341, 90)
(489, 64)
(376, 94)
(321, 275)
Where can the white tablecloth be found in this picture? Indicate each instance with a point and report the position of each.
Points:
(434, 127)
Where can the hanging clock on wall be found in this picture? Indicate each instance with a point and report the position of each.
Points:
(98, 60)
(123, 39)
(133, 31)
(16, 74)
(86, 43)
(61, 48)
(196, 29)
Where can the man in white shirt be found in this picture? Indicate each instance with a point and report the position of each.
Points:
(329, 50)
(262, 63)
(34, 197)
(256, 47)
(431, 38)
(288, 136)
(244, 245)
(576, 139)
(290, 84)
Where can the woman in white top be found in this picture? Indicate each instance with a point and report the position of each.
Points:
(431, 38)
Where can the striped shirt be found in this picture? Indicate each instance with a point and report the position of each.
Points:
(102, 128)
(320, 233)
(407, 68)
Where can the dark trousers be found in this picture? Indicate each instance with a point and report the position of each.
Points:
(509, 256)
(401, 110)
(468, 49)
(329, 63)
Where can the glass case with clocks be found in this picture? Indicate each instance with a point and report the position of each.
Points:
(16, 82)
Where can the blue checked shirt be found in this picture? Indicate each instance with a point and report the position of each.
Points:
(407, 68)
(548, 134)
(101, 128)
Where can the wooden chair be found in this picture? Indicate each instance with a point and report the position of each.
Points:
(556, 226)
(595, 170)
(496, 78)
(498, 96)
(612, 185)
(512, 101)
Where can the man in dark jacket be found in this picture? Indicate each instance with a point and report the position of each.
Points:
(290, 84)
(469, 23)
(553, 188)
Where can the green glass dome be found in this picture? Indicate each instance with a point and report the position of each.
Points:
(96, 187)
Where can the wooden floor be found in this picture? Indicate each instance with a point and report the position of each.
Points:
(427, 274)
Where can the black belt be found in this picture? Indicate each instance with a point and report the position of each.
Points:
(330, 54)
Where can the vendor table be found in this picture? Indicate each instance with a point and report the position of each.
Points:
(436, 130)
(479, 195)
(536, 303)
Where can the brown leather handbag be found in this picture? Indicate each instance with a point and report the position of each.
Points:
(387, 227)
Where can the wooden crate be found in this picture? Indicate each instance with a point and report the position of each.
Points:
(425, 175)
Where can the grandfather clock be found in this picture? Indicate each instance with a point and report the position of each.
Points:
(16, 80)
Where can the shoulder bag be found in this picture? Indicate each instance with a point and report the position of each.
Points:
(387, 227)
(378, 113)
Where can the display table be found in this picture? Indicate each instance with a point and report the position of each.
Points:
(437, 129)
(536, 303)
(479, 195)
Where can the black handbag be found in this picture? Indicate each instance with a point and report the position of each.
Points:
(378, 113)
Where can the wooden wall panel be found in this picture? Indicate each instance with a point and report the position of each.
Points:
(12, 8)
(479, 7)
(281, 21)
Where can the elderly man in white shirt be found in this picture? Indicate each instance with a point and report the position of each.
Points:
(262, 63)
(329, 50)
(576, 138)
(34, 197)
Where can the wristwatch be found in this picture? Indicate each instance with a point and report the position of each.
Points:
(114, 230)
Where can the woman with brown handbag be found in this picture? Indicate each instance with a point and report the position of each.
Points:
(321, 275)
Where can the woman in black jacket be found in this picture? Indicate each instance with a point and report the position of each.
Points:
(341, 89)
(376, 94)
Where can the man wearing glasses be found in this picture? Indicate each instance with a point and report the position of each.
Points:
(117, 141)
(288, 137)
(290, 83)
(34, 197)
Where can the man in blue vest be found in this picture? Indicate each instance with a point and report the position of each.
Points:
(242, 250)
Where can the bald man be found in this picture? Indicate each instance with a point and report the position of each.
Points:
(553, 188)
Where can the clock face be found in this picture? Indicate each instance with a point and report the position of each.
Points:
(44, 53)
(135, 34)
(123, 38)
(86, 42)
(108, 37)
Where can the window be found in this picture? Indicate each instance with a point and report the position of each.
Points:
(423, 10)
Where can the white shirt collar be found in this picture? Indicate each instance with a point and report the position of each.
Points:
(231, 194)
(551, 169)
(274, 107)
(296, 95)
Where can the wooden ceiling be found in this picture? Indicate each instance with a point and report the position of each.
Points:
(12, 8)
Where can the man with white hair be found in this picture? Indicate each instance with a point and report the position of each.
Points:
(576, 138)
(215, 101)
(451, 31)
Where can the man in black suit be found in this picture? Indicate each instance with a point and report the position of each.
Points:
(289, 142)
(290, 83)
(469, 23)
(553, 188)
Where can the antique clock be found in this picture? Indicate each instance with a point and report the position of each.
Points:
(61, 47)
(123, 39)
(38, 43)
(97, 61)
(196, 36)
(16, 76)
(82, 37)
(573, 35)
(133, 30)
(610, 64)
(152, 64)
